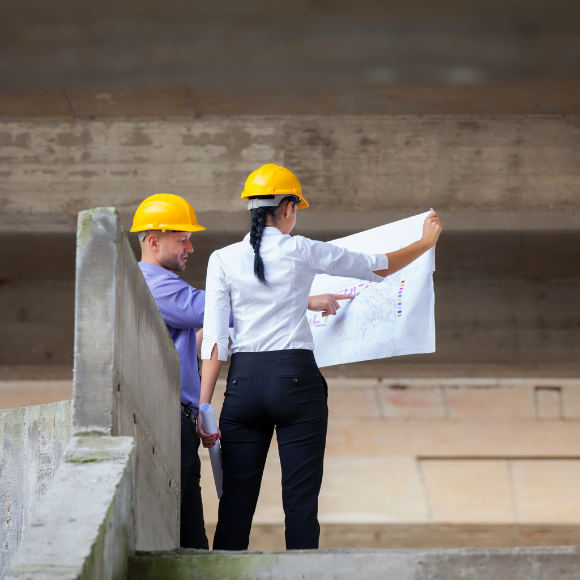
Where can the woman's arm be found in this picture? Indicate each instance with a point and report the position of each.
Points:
(210, 370)
(327, 303)
(214, 348)
(403, 257)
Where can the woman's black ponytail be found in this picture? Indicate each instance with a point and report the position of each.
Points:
(258, 220)
(258, 224)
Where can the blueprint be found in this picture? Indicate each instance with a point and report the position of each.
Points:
(389, 318)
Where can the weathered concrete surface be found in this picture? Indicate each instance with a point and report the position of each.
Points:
(187, 103)
(127, 373)
(286, 45)
(465, 564)
(33, 441)
(85, 526)
(367, 169)
(503, 298)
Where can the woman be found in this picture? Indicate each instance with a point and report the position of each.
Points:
(273, 381)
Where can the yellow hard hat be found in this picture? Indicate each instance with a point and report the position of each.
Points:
(165, 211)
(275, 182)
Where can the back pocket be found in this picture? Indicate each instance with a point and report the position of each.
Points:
(235, 391)
(303, 388)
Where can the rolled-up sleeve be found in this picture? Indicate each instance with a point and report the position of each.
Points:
(325, 258)
(217, 311)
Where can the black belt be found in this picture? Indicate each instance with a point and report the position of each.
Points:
(189, 414)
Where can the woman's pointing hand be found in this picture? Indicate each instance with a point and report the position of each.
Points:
(327, 303)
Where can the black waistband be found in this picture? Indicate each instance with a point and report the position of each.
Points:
(299, 354)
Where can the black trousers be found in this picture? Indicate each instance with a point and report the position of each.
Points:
(280, 390)
(192, 531)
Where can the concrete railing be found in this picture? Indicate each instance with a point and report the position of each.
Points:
(85, 526)
(119, 486)
(33, 440)
(127, 372)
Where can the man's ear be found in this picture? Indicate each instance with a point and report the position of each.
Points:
(153, 242)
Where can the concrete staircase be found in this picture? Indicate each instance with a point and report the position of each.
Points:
(464, 564)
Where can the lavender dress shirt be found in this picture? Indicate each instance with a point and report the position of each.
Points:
(182, 307)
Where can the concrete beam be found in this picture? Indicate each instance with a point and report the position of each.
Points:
(364, 171)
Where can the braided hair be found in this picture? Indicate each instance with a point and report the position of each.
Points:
(259, 215)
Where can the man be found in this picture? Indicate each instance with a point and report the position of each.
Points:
(165, 223)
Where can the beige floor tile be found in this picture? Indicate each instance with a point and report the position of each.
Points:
(571, 402)
(548, 402)
(462, 491)
(335, 383)
(490, 403)
(547, 490)
(371, 490)
(468, 438)
(17, 393)
(353, 403)
(412, 402)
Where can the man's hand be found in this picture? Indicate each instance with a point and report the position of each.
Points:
(207, 439)
(327, 303)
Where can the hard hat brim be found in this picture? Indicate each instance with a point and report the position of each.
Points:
(164, 227)
(301, 205)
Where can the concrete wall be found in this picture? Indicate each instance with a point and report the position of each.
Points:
(503, 298)
(33, 442)
(504, 182)
(85, 526)
(519, 564)
(355, 171)
(127, 373)
(437, 462)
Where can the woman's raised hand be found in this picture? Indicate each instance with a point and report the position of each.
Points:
(207, 439)
(431, 229)
(327, 303)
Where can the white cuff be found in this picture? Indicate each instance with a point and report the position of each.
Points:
(207, 348)
(381, 262)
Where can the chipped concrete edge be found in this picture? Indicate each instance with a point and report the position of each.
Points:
(555, 563)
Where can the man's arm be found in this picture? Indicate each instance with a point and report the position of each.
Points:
(198, 339)
(181, 306)
(210, 370)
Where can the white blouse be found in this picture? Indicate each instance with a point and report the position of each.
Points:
(272, 317)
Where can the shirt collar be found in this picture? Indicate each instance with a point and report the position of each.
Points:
(272, 231)
(157, 270)
(268, 231)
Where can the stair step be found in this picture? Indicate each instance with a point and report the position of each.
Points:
(553, 563)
